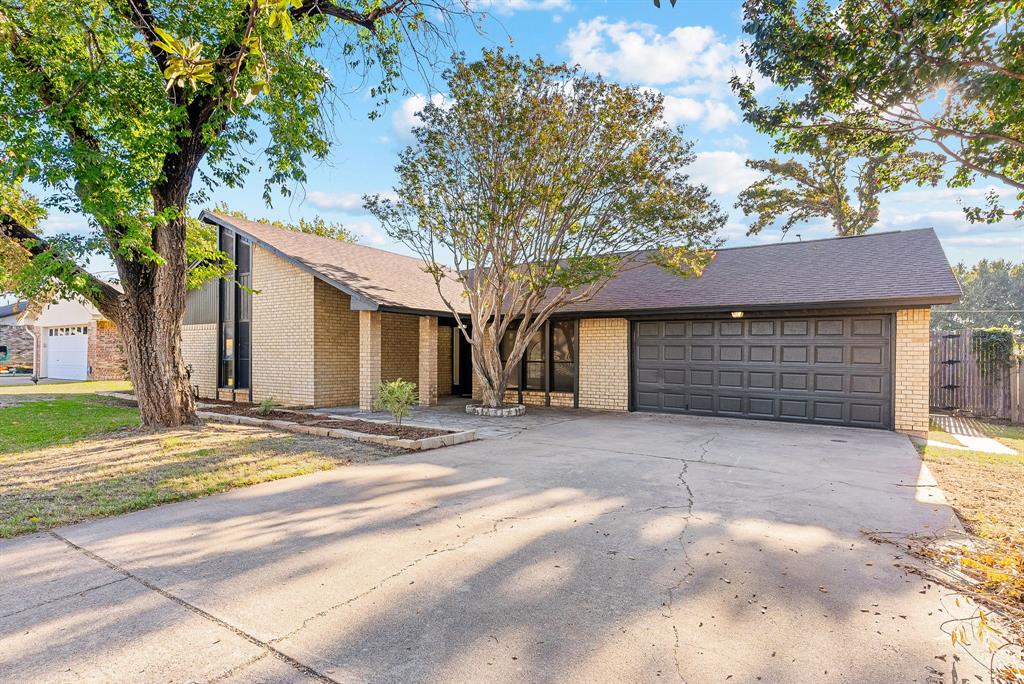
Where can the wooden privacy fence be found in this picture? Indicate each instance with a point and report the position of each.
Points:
(974, 381)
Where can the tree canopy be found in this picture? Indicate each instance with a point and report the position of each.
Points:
(537, 184)
(892, 76)
(116, 109)
(793, 192)
(993, 296)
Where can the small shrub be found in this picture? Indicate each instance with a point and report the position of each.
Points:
(396, 397)
(266, 406)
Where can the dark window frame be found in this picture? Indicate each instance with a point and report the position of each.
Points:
(520, 379)
(234, 301)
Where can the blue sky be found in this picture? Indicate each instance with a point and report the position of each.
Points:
(687, 52)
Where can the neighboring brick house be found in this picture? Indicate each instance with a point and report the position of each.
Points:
(826, 331)
(16, 341)
(73, 341)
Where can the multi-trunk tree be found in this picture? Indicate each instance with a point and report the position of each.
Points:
(535, 186)
(114, 108)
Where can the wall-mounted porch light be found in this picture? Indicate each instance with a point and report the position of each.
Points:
(736, 314)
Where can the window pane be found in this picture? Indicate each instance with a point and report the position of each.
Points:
(507, 342)
(563, 377)
(563, 361)
(535, 375)
(563, 340)
(535, 349)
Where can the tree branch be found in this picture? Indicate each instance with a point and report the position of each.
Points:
(101, 294)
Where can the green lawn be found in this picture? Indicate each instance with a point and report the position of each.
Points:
(59, 420)
(71, 457)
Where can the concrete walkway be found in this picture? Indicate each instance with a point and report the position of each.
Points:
(968, 432)
(603, 548)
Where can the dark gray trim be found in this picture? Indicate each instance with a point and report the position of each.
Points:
(888, 305)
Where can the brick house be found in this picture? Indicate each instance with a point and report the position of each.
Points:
(828, 331)
(16, 341)
(72, 340)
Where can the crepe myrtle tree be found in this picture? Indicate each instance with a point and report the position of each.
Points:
(534, 186)
(114, 108)
(944, 76)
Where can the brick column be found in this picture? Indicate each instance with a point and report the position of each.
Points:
(428, 361)
(912, 340)
(369, 358)
(604, 363)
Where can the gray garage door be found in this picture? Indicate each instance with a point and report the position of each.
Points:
(834, 370)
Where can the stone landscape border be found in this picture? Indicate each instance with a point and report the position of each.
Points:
(435, 442)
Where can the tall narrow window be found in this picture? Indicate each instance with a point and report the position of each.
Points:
(507, 342)
(227, 316)
(535, 358)
(243, 313)
(563, 356)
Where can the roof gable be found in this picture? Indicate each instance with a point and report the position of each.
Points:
(375, 278)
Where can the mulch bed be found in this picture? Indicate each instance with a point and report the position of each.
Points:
(356, 425)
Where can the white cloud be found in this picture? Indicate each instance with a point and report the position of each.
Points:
(986, 240)
(696, 58)
(369, 233)
(405, 119)
(344, 201)
(723, 171)
(691, 64)
(711, 115)
(507, 7)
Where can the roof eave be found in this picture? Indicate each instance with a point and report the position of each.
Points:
(883, 303)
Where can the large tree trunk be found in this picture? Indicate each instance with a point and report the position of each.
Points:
(150, 319)
(490, 370)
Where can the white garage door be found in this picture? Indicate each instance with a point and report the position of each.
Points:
(67, 353)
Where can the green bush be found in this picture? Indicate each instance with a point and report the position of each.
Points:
(395, 397)
(266, 406)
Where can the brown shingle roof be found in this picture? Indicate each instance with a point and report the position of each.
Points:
(384, 278)
(897, 268)
(902, 267)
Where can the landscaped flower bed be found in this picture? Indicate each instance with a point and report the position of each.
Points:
(320, 420)
(410, 437)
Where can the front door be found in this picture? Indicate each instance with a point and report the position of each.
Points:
(462, 365)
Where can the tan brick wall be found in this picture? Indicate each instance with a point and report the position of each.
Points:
(399, 347)
(106, 352)
(911, 393)
(335, 347)
(282, 331)
(199, 349)
(444, 361)
(369, 357)
(427, 355)
(536, 398)
(604, 363)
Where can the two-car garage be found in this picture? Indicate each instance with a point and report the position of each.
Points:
(823, 369)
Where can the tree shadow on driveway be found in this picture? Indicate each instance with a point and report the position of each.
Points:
(611, 549)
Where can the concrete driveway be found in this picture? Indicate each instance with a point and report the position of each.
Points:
(600, 548)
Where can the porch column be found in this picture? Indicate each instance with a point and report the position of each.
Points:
(369, 358)
(428, 361)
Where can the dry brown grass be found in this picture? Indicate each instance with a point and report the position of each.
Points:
(132, 469)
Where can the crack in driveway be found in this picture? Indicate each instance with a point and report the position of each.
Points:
(408, 566)
(690, 569)
(266, 646)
